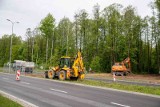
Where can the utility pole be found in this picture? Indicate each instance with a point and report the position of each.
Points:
(10, 54)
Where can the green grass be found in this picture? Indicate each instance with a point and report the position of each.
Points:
(1, 69)
(127, 87)
(5, 102)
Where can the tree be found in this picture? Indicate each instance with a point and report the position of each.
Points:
(104, 37)
(82, 18)
(157, 3)
(113, 37)
(4, 47)
(96, 12)
(29, 43)
(17, 48)
(47, 28)
(95, 64)
(65, 37)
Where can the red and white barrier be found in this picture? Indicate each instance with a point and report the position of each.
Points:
(18, 75)
(114, 77)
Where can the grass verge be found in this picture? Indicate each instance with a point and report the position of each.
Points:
(134, 88)
(1, 69)
(5, 102)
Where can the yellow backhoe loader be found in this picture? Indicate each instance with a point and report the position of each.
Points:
(67, 68)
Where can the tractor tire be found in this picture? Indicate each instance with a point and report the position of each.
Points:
(62, 75)
(81, 76)
(125, 73)
(51, 74)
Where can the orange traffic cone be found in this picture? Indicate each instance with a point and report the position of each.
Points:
(18, 75)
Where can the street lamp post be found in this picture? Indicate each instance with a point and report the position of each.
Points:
(10, 54)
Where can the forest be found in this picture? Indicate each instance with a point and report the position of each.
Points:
(103, 37)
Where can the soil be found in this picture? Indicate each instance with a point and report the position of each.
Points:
(36, 75)
(147, 78)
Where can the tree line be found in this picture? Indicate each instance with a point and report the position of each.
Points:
(108, 36)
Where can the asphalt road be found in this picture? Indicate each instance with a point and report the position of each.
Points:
(48, 93)
(111, 80)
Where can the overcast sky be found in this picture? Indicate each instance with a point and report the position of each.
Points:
(30, 12)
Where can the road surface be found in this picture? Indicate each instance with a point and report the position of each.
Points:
(49, 93)
(108, 80)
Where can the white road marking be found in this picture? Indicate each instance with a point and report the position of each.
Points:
(58, 90)
(5, 78)
(25, 83)
(119, 104)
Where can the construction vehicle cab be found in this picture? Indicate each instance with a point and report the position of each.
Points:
(66, 62)
(67, 68)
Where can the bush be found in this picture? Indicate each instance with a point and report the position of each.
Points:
(95, 64)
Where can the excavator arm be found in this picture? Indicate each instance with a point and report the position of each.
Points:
(78, 65)
(127, 61)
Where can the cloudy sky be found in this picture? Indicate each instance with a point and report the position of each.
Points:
(30, 12)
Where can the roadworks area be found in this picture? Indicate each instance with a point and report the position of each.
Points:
(153, 79)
